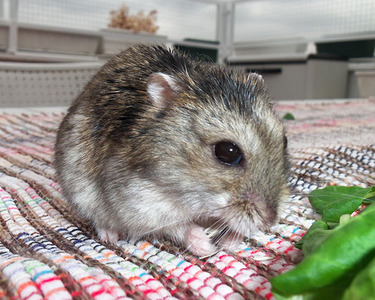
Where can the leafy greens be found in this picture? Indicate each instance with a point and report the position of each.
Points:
(339, 250)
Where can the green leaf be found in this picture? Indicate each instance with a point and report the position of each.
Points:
(344, 218)
(333, 201)
(315, 238)
(288, 116)
(333, 291)
(294, 297)
(319, 224)
(340, 255)
(339, 250)
(370, 196)
(363, 284)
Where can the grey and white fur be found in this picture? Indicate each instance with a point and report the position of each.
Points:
(135, 154)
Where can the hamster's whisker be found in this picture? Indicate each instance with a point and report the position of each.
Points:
(236, 235)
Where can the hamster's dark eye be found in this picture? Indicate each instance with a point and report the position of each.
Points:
(228, 153)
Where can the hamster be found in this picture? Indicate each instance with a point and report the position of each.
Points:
(162, 146)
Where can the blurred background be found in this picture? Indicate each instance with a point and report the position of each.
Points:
(313, 49)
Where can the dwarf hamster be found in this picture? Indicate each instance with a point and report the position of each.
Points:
(159, 145)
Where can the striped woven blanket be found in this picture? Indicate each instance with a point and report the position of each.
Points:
(48, 252)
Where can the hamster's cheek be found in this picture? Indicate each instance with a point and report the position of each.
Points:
(223, 199)
(147, 210)
(217, 203)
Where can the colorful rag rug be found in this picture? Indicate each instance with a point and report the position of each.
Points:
(48, 252)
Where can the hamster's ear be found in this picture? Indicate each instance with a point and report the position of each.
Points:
(162, 89)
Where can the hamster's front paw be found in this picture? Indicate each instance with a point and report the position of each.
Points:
(108, 236)
(197, 241)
